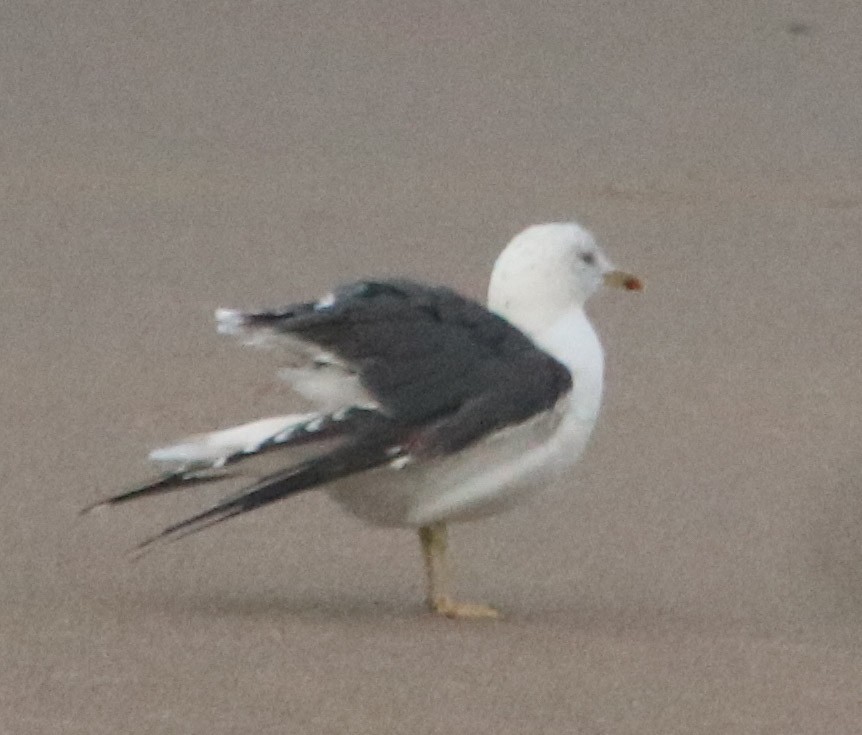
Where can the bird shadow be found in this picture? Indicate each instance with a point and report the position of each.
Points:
(277, 608)
(274, 607)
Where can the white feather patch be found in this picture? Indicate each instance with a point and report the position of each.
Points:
(211, 450)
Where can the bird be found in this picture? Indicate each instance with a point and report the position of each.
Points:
(431, 408)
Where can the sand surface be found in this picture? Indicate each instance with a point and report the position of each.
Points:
(702, 573)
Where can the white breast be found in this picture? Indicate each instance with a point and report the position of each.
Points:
(574, 342)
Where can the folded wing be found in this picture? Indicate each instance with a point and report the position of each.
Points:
(434, 372)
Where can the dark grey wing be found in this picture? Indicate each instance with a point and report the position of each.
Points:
(444, 370)
(430, 357)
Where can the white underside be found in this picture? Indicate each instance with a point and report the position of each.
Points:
(483, 480)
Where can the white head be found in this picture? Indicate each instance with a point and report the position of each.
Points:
(547, 270)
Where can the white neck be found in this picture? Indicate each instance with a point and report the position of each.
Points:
(572, 340)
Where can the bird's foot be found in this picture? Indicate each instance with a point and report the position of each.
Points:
(446, 606)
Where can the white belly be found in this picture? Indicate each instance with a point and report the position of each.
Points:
(483, 480)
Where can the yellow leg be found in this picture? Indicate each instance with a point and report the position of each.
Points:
(434, 544)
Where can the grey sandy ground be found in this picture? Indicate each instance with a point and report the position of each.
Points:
(701, 573)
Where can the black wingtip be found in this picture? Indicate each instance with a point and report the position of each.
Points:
(187, 527)
(340, 462)
(87, 509)
(167, 482)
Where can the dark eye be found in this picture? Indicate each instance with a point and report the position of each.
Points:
(588, 258)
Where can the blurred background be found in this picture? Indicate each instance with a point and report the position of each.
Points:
(702, 571)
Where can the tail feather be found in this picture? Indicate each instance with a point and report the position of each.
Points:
(212, 449)
(338, 463)
(204, 459)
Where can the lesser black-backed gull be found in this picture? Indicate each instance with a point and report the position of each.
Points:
(433, 408)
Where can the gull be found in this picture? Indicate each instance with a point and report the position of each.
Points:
(432, 408)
